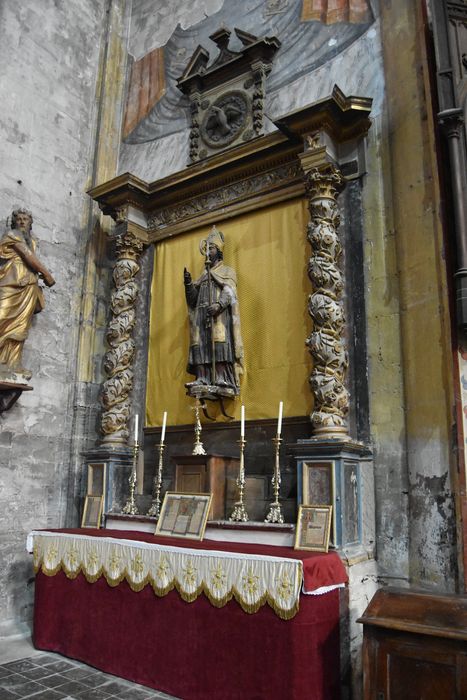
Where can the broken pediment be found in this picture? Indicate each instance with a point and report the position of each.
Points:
(227, 95)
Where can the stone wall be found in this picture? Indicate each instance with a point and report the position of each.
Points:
(50, 53)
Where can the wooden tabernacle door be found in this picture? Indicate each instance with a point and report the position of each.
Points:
(206, 474)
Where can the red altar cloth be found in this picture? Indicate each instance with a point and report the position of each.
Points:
(193, 650)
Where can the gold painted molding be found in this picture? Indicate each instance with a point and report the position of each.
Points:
(264, 171)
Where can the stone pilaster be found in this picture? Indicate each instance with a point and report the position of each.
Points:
(326, 343)
(118, 362)
(452, 124)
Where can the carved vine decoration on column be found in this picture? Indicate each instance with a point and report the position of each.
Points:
(194, 133)
(118, 361)
(326, 342)
(259, 77)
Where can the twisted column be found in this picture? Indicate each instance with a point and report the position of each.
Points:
(326, 342)
(118, 361)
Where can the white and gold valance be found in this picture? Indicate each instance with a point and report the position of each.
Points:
(252, 580)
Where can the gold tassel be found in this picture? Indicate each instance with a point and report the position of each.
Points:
(188, 597)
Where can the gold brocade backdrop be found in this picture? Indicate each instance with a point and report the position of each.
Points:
(269, 251)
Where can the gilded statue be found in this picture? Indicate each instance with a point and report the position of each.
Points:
(20, 294)
(216, 349)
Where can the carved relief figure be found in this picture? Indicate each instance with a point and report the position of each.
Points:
(216, 348)
(20, 293)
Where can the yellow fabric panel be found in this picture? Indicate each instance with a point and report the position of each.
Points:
(269, 251)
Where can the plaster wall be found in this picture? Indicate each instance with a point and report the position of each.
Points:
(50, 54)
(411, 172)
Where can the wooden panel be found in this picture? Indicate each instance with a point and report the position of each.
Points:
(216, 484)
(418, 611)
(415, 646)
(414, 679)
(193, 482)
(206, 474)
(190, 478)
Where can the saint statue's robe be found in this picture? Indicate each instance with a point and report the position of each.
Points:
(20, 297)
(224, 327)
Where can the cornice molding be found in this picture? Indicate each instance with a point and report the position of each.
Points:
(258, 173)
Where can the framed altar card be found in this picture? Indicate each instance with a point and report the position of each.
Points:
(184, 515)
(313, 528)
(92, 511)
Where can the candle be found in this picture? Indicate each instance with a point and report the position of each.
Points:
(164, 423)
(136, 427)
(242, 424)
(279, 420)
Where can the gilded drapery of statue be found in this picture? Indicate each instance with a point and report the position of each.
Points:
(20, 294)
(216, 347)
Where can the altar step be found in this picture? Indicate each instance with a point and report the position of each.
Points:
(220, 530)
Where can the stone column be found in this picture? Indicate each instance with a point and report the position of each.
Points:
(118, 362)
(452, 123)
(326, 342)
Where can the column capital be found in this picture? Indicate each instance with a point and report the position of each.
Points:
(322, 176)
(128, 245)
(451, 122)
(325, 181)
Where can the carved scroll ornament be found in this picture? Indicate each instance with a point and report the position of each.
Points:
(118, 361)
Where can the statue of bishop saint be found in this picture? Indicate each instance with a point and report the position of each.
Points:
(216, 349)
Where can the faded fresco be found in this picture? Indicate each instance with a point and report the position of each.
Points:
(311, 32)
(323, 43)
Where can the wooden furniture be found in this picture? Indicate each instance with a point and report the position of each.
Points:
(206, 474)
(414, 646)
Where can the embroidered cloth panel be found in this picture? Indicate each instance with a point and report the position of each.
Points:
(252, 580)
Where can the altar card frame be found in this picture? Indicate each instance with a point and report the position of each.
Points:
(92, 511)
(318, 482)
(184, 515)
(313, 528)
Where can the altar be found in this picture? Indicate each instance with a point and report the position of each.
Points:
(97, 600)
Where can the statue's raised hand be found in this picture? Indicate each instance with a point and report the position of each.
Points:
(186, 276)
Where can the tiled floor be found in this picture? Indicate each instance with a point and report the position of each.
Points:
(46, 676)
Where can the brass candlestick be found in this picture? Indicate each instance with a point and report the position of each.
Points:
(275, 514)
(130, 507)
(198, 448)
(155, 509)
(239, 513)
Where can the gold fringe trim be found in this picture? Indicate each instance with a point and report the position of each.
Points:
(160, 592)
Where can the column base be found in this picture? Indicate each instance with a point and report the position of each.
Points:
(329, 472)
(117, 464)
